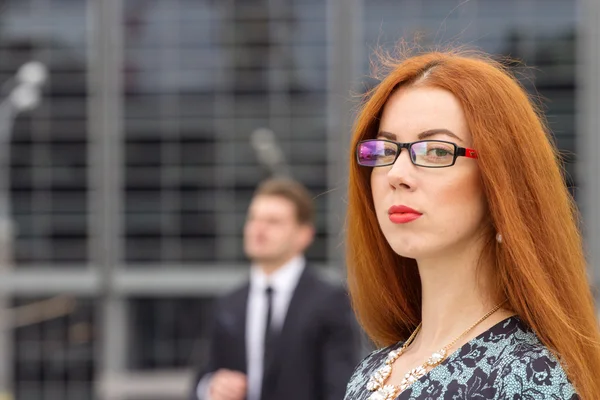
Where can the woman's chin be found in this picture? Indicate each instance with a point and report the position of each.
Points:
(407, 251)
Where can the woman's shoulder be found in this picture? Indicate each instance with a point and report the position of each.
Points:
(530, 369)
(508, 361)
(365, 369)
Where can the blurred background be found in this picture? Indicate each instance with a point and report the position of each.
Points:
(124, 186)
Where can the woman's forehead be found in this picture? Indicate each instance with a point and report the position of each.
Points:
(415, 112)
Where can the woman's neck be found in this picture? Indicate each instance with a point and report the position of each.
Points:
(456, 293)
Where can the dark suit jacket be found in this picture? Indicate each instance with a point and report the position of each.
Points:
(316, 351)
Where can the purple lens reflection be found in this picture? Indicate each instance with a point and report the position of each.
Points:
(372, 153)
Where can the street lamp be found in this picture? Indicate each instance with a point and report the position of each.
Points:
(25, 95)
(269, 153)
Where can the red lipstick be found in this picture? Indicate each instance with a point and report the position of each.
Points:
(402, 214)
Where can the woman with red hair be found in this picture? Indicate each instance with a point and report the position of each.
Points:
(465, 262)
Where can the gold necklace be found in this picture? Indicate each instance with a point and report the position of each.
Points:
(376, 383)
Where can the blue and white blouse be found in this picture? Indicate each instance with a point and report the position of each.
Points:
(507, 361)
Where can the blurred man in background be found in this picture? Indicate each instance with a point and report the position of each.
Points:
(286, 334)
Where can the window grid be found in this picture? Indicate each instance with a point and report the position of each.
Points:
(189, 169)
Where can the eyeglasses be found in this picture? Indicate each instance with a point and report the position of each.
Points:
(424, 153)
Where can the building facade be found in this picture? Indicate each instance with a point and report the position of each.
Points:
(128, 185)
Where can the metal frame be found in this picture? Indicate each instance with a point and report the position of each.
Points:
(588, 121)
(106, 146)
(106, 278)
(345, 61)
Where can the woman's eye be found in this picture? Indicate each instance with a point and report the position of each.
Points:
(439, 152)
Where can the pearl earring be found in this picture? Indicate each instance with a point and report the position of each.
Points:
(499, 237)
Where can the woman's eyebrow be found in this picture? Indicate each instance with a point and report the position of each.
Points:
(387, 135)
(431, 132)
(421, 136)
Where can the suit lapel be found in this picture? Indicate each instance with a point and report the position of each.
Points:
(237, 314)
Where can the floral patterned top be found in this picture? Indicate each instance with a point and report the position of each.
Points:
(505, 362)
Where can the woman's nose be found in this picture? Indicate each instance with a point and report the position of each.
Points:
(401, 173)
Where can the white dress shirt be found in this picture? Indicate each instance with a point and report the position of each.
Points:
(283, 281)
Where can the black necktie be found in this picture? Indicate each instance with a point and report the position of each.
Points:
(268, 328)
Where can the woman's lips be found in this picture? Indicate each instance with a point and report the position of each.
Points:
(402, 214)
(403, 218)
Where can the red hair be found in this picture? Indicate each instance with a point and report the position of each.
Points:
(539, 267)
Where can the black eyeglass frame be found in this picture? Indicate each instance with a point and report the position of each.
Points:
(458, 152)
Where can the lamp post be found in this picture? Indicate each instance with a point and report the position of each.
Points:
(25, 95)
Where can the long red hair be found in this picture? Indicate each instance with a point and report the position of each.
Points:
(539, 267)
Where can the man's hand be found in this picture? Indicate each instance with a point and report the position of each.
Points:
(227, 385)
